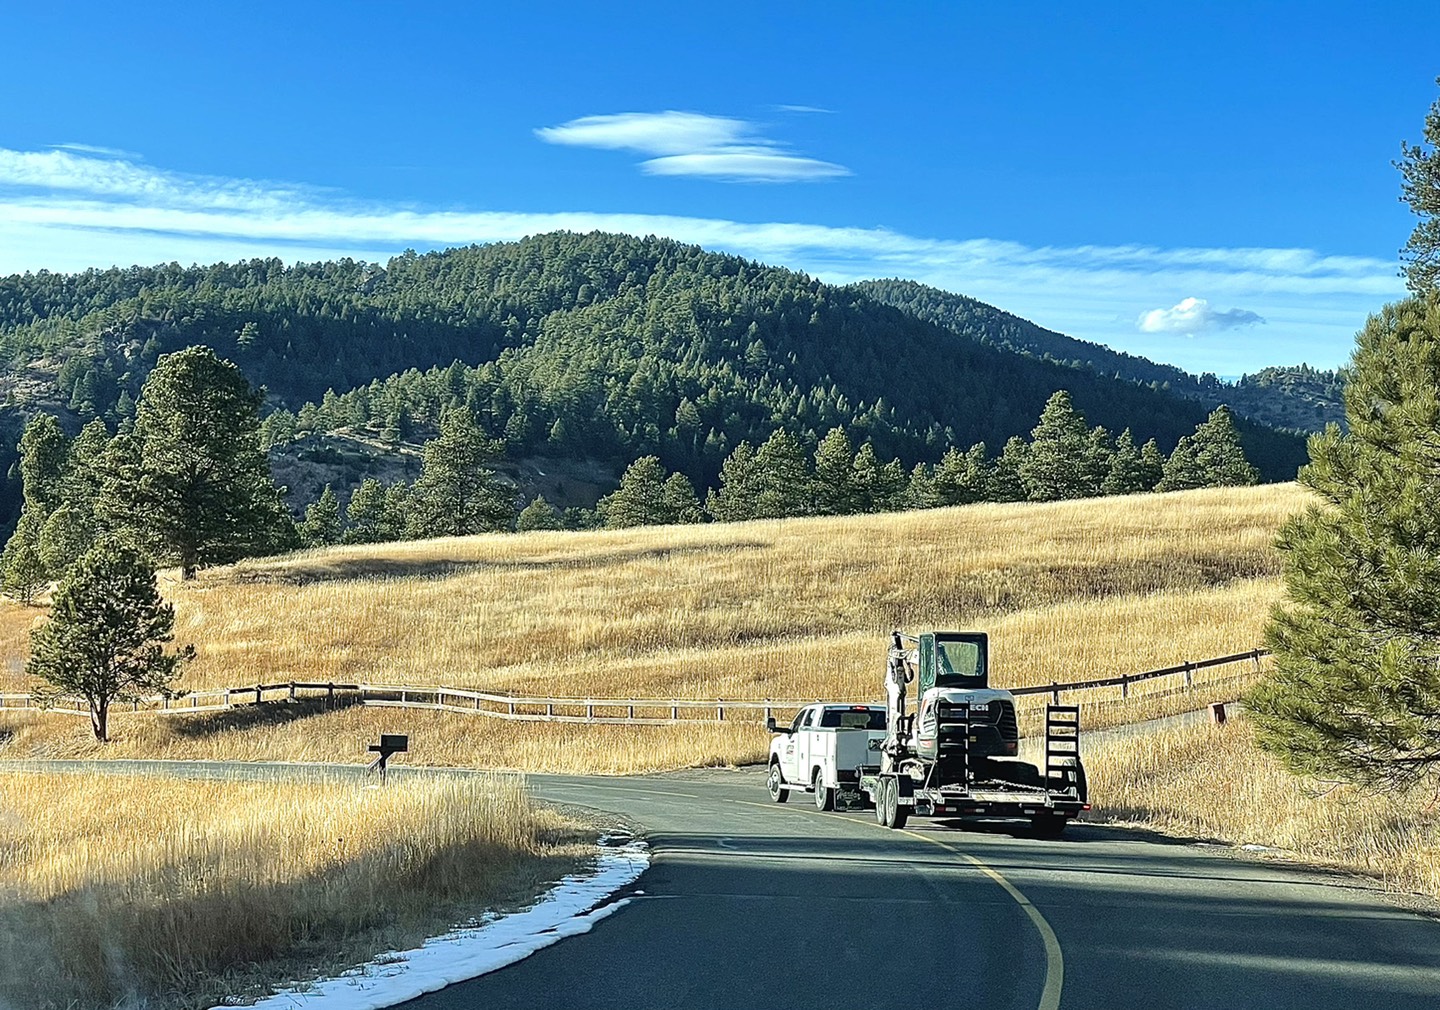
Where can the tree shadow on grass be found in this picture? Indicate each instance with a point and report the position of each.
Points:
(253, 716)
(321, 569)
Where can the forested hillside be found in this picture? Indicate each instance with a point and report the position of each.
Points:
(586, 346)
(1296, 397)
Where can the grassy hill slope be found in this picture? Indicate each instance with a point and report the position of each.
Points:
(792, 609)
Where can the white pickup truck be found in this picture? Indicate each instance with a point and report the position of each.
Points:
(824, 751)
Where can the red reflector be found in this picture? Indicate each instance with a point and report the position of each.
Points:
(1085, 807)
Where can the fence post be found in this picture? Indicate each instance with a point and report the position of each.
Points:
(674, 712)
(1054, 693)
(720, 710)
(632, 710)
(257, 694)
(512, 706)
(589, 709)
(1189, 675)
(330, 697)
(292, 690)
(768, 714)
(1125, 685)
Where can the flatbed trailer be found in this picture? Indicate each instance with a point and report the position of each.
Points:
(1049, 801)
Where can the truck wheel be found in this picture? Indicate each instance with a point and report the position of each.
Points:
(824, 796)
(1047, 826)
(774, 782)
(882, 790)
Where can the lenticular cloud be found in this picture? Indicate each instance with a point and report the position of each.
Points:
(1192, 316)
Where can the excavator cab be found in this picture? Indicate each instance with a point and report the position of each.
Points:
(953, 659)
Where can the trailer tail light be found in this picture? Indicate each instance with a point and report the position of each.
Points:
(1085, 807)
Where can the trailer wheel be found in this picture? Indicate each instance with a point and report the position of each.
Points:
(899, 814)
(882, 790)
(774, 782)
(824, 795)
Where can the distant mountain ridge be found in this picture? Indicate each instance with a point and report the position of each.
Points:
(1297, 398)
(598, 346)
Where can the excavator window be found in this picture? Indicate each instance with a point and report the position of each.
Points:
(959, 664)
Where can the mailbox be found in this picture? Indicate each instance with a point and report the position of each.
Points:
(390, 743)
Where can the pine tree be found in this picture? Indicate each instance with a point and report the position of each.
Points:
(1055, 467)
(539, 515)
(396, 512)
(1128, 473)
(321, 527)
(1152, 465)
(1420, 187)
(640, 498)
(1006, 482)
(365, 514)
(22, 569)
(679, 500)
(922, 491)
(1183, 470)
(834, 493)
(456, 493)
(783, 475)
(867, 480)
(739, 487)
(1220, 454)
(1356, 688)
(66, 535)
(1098, 460)
(105, 637)
(192, 483)
(962, 478)
(44, 460)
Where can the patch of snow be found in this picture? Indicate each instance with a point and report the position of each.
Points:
(571, 907)
(1252, 847)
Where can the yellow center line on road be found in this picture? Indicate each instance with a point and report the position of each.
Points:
(1054, 957)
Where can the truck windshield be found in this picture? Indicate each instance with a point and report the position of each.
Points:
(849, 718)
(959, 664)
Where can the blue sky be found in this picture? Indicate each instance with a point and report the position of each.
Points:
(1207, 186)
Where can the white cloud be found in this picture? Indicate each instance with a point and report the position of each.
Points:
(66, 211)
(693, 144)
(104, 152)
(804, 109)
(1192, 316)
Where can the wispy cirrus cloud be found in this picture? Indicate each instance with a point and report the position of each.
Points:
(67, 210)
(104, 152)
(1194, 316)
(693, 144)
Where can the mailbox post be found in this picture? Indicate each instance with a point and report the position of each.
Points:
(390, 743)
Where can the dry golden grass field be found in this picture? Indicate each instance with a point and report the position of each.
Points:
(163, 893)
(1167, 781)
(793, 609)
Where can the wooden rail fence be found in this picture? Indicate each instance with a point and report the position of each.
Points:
(612, 711)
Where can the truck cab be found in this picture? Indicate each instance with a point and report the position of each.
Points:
(824, 750)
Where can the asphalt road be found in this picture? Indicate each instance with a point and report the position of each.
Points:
(749, 904)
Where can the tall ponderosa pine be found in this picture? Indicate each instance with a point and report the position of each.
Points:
(191, 482)
(1356, 688)
(23, 571)
(457, 494)
(322, 520)
(1055, 465)
(1420, 187)
(44, 460)
(739, 487)
(1005, 480)
(783, 475)
(1127, 473)
(961, 478)
(681, 503)
(1221, 455)
(834, 494)
(640, 498)
(365, 515)
(105, 637)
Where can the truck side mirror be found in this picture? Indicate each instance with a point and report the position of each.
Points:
(770, 725)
